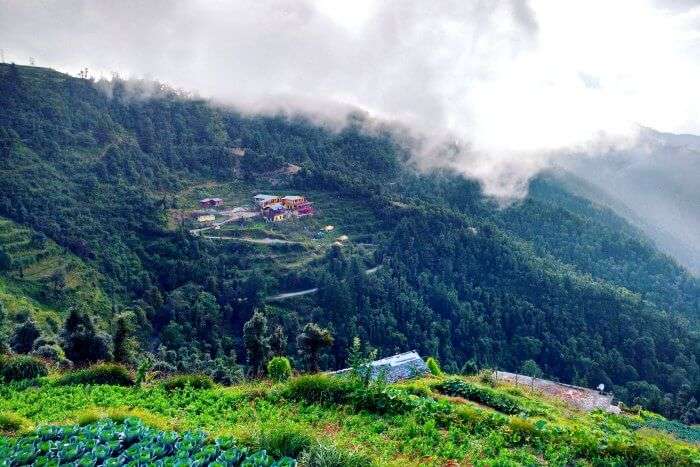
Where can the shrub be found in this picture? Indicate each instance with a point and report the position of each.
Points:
(498, 400)
(191, 381)
(433, 366)
(102, 373)
(11, 422)
(488, 377)
(22, 367)
(320, 389)
(327, 455)
(49, 352)
(287, 441)
(279, 369)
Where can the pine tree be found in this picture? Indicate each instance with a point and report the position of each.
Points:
(24, 336)
(256, 343)
(310, 342)
(123, 341)
(82, 342)
(278, 342)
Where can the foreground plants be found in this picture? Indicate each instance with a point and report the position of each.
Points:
(130, 442)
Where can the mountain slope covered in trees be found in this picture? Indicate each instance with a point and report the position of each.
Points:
(98, 169)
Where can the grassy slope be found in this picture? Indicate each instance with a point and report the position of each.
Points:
(33, 289)
(459, 430)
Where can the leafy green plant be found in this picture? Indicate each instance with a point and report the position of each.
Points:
(279, 369)
(360, 361)
(327, 455)
(22, 367)
(101, 373)
(285, 440)
(11, 422)
(188, 381)
(142, 370)
(433, 366)
(500, 401)
(129, 442)
(319, 388)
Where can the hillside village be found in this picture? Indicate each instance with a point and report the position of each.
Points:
(272, 208)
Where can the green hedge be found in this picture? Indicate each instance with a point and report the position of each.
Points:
(102, 373)
(484, 395)
(188, 381)
(22, 367)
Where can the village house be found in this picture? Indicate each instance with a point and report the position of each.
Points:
(206, 218)
(291, 202)
(275, 212)
(264, 201)
(211, 202)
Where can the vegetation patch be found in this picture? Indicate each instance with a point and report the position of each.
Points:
(498, 400)
(102, 373)
(22, 367)
(188, 381)
(129, 442)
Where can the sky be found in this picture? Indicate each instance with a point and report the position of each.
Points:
(516, 84)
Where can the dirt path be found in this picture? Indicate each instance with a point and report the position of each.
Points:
(260, 241)
(282, 296)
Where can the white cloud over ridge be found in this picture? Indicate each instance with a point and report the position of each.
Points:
(518, 83)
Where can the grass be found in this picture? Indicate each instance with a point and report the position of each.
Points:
(405, 424)
(29, 286)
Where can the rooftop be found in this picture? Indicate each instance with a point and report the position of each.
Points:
(292, 197)
(397, 367)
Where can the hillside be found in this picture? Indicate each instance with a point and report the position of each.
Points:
(110, 172)
(324, 421)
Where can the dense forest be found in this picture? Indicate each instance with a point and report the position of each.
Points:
(556, 279)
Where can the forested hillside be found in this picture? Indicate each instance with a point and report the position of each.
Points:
(97, 169)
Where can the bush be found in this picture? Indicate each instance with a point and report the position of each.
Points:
(102, 373)
(320, 389)
(185, 381)
(10, 422)
(498, 400)
(287, 441)
(327, 455)
(22, 367)
(49, 352)
(279, 369)
(433, 366)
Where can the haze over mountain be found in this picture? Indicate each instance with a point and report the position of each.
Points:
(518, 85)
(655, 185)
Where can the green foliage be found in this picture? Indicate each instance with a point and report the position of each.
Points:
(433, 366)
(677, 429)
(531, 368)
(91, 178)
(188, 381)
(142, 370)
(12, 423)
(318, 388)
(279, 369)
(123, 341)
(24, 336)
(82, 342)
(488, 396)
(310, 342)
(285, 440)
(257, 343)
(101, 373)
(106, 442)
(278, 342)
(327, 455)
(22, 367)
(360, 360)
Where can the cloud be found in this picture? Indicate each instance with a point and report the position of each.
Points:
(515, 83)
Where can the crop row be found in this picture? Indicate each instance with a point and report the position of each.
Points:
(131, 443)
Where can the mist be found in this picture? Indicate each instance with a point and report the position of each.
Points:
(518, 85)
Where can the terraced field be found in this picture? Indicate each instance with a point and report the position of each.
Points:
(43, 277)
